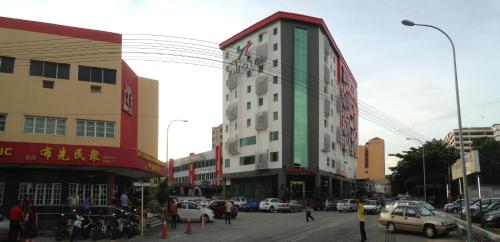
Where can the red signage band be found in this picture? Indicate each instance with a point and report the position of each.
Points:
(171, 171)
(192, 177)
(76, 155)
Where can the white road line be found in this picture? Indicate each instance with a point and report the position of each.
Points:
(301, 238)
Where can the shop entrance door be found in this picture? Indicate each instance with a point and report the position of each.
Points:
(298, 190)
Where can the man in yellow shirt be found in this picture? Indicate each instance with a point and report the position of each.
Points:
(361, 218)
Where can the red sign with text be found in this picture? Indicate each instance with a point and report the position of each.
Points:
(77, 155)
(192, 177)
(218, 165)
(171, 171)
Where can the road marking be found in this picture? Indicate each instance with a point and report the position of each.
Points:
(301, 238)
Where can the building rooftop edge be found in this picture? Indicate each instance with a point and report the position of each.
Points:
(62, 30)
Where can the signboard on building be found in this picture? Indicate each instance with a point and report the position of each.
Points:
(471, 166)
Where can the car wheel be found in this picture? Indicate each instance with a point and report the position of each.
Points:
(271, 209)
(391, 227)
(430, 231)
(454, 211)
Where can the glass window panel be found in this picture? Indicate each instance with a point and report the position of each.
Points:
(99, 129)
(300, 137)
(7, 65)
(39, 125)
(28, 124)
(110, 129)
(63, 71)
(83, 73)
(80, 128)
(50, 69)
(61, 126)
(109, 76)
(96, 74)
(50, 126)
(90, 128)
(2, 122)
(36, 68)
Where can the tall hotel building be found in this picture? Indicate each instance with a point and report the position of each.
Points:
(74, 117)
(290, 125)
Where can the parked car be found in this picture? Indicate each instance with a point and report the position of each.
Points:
(485, 202)
(391, 206)
(492, 218)
(269, 204)
(4, 228)
(454, 207)
(219, 207)
(192, 210)
(330, 204)
(239, 201)
(348, 205)
(477, 213)
(372, 206)
(416, 219)
(291, 206)
(250, 205)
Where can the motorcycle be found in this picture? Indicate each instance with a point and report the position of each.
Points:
(99, 230)
(80, 226)
(116, 226)
(63, 228)
(132, 225)
(124, 223)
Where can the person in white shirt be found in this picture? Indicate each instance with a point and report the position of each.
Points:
(74, 201)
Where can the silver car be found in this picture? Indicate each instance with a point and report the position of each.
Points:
(348, 205)
(4, 228)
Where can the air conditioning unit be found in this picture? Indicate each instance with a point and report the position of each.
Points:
(261, 51)
(232, 81)
(262, 161)
(232, 146)
(327, 75)
(232, 112)
(327, 107)
(326, 143)
(261, 85)
(261, 120)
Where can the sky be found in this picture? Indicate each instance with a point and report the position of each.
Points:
(405, 72)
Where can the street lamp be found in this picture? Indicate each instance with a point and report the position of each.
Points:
(462, 156)
(166, 167)
(423, 164)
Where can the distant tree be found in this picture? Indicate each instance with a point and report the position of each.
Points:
(407, 176)
(489, 160)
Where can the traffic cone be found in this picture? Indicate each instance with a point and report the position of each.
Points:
(188, 228)
(164, 230)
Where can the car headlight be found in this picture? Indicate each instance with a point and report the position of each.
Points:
(490, 217)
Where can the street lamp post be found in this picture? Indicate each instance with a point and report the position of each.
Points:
(423, 164)
(462, 156)
(166, 167)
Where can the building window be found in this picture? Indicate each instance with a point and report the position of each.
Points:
(261, 101)
(274, 156)
(333, 163)
(226, 55)
(333, 145)
(249, 123)
(326, 123)
(2, 192)
(236, 94)
(261, 37)
(249, 73)
(227, 97)
(247, 141)
(236, 126)
(42, 193)
(275, 79)
(249, 89)
(275, 97)
(98, 192)
(275, 46)
(247, 160)
(44, 125)
(274, 136)
(49, 69)
(275, 63)
(3, 121)
(238, 49)
(48, 84)
(300, 133)
(249, 105)
(96, 74)
(91, 128)
(275, 115)
(227, 128)
(7, 65)
(366, 158)
(261, 68)
(275, 31)
(327, 161)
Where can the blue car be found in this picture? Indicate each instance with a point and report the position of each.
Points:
(250, 205)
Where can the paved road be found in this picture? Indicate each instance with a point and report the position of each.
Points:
(289, 227)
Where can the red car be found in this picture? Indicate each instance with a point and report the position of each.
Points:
(219, 206)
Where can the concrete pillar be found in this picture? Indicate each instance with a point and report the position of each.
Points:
(330, 186)
(111, 187)
(341, 186)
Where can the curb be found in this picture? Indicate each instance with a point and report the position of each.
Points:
(478, 230)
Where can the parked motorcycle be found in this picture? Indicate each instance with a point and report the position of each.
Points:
(81, 226)
(99, 230)
(63, 228)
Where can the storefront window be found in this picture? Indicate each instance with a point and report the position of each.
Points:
(2, 189)
(98, 192)
(42, 193)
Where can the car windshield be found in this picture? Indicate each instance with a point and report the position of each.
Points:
(424, 211)
(266, 200)
(345, 201)
(371, 202)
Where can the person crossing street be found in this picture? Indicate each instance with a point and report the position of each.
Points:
(361, 218)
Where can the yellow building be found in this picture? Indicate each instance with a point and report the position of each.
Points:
(371, 160)
(74, 117)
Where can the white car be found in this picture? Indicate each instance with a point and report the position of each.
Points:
(372, 206)
(270, 204)
(193, 211)
(348, 205)
(239, 201)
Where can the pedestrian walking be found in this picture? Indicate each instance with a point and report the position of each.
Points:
(29, 225)
(227, 211)
(308, 212)
(73, 201)
(16, 216)
(124, 201)
(173, 214)
(86, 203)
(361, 218)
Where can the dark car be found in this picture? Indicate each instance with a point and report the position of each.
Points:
(250, 205)
(492, 218)
(219, 207)
(476, 213)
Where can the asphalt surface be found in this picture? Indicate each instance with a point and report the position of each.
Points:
(280, 227)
